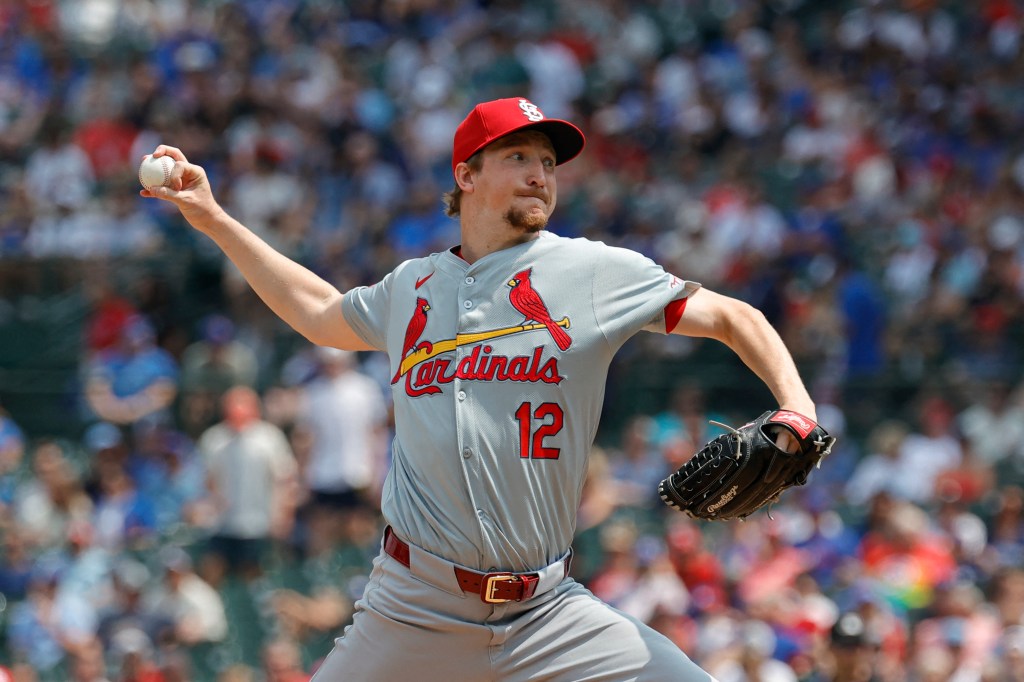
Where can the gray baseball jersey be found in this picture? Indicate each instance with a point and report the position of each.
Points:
(499, 371)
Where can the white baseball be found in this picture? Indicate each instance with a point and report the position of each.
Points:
(155, 171)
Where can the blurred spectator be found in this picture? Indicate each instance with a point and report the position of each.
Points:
(341, 444)
(959, 624)
(176, 664)
(87, 566)
(105, 134)
(750, 658)
(12, 454)
(888, 630)
(85, 233)
(134, 657)
(324, 610)
(282, 662)
(967, 482)
(773, 568)
(210, 366)
(124, 518)
(851, 654)
(907, 553)
(194, 607)
(993, 423)
(252, 484)
(1006, 530)
(884, 469)
(133, 232)
(1007, 595)
(16, 563)
(967, 534)
(47, 504)
(134, 380)
(109, 312)
(617, 576)
(104, 440)
(699, 568)
(685, 425)
(421, 228)
(51, 623)
(263, 191)
(657, 590)
(933, 664)
(636, 464)
(127, 608)
(1011, 650)
(813, 525)
(932, 448)
(168, 472)
(864, 316)
(88, 664)
(58, 173)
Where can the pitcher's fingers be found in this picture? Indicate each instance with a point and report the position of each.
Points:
(177, 180)
(786, 442)
(158, 192)
(168, 150)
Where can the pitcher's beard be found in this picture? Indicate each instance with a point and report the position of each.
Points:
(527, 222)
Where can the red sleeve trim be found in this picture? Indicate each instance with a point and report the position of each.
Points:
(674, 313)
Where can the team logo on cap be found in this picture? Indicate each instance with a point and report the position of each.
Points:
(530, 110)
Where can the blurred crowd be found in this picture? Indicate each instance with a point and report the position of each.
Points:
(851, 168)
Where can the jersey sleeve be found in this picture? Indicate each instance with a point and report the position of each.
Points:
(631, 293)
(367, 310)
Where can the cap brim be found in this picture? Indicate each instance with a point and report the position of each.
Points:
(567, 140)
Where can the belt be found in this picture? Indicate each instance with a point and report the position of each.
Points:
(492, 588)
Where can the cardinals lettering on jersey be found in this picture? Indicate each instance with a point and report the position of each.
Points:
(423, 370)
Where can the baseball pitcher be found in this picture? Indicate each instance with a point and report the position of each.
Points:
(499, 349)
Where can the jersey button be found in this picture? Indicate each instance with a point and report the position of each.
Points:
(462, 395)
(470, 279)
(467, 304)
(466, 453)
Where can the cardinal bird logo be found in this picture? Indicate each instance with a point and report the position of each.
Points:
(526, 300)
(412, 334)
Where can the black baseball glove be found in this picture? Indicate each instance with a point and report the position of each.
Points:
(737, 473)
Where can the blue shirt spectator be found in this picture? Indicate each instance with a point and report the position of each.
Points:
(134, 380)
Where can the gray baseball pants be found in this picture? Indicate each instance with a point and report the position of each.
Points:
(416, 622)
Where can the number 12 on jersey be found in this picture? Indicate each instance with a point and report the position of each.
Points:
(548, 419)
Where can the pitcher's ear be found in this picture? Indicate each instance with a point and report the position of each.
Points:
(464, 176)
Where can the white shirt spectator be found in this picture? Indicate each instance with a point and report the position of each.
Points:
(59, 175)
(994, 427)
(247, 469)
(345, 413)
(193, 604)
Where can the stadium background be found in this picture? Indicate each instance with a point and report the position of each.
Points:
(854, 169)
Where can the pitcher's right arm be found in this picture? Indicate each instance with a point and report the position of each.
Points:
(305, 301)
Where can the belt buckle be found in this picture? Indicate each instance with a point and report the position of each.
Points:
(490, 586)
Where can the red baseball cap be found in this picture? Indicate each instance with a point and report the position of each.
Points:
(490, 120)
